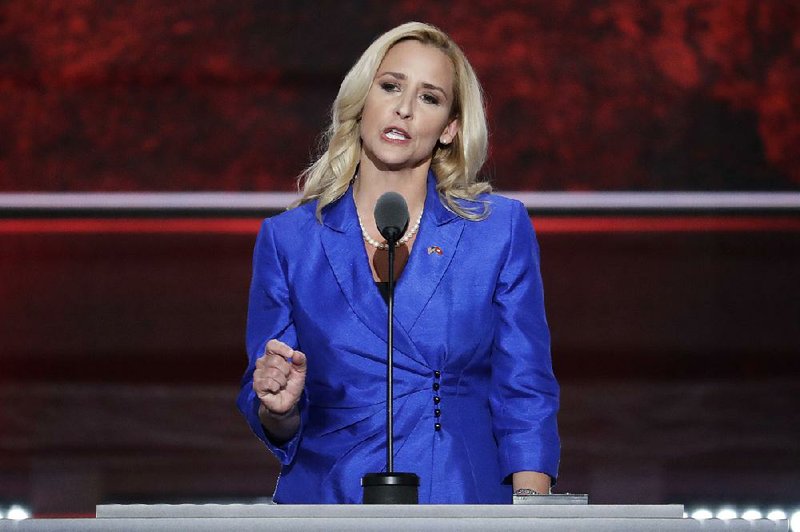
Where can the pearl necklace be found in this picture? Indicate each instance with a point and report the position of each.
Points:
(383, 245)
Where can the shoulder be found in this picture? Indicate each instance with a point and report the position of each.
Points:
(296, 218)
(507, 224)
(503, 204)
(284, 228)
(501, 209)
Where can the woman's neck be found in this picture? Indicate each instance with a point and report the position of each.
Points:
(372, 183)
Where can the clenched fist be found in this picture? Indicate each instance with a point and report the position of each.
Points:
(279, 377)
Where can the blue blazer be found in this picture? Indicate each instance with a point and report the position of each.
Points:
(472, 353)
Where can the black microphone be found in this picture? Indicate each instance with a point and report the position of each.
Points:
(391, 216)
(390, 487)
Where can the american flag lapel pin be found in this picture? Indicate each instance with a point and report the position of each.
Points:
(434, 249)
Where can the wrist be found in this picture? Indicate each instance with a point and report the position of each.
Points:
(277, 416)
(538, 483)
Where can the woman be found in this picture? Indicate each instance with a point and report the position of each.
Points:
(475, 396)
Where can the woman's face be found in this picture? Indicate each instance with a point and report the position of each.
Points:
(407, 110)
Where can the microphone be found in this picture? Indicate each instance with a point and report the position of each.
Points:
(391, 216)
(390, 487)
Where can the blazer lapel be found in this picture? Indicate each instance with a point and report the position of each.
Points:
(434, 248)
(344, 249)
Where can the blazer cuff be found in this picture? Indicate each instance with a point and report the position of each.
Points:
(523, 453)
(286, 451)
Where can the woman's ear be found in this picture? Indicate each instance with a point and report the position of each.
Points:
(450, 132)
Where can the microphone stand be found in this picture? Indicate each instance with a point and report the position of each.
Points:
(390, 365)
(390, 487)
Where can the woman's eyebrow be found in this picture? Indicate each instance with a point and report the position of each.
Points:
(398, 75)
(401, 76)
(435, 88)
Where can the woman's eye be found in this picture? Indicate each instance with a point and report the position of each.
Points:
(430, 98)
(389, 87)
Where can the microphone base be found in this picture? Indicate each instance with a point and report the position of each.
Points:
(390, 488)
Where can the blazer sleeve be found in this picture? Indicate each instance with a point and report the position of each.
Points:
(524, 394)
(269, 315)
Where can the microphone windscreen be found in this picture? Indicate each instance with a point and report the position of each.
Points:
(391, 216)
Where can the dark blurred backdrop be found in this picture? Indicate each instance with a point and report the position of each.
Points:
(214, 95)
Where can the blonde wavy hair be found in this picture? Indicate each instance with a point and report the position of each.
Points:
(456, 164)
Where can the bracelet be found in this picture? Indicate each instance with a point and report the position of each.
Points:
(525, 492)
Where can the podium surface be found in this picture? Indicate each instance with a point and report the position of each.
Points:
(350, 518)
(387, 511)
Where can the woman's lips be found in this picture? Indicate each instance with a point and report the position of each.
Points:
(395, 134)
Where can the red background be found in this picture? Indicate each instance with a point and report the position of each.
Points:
(216, 95)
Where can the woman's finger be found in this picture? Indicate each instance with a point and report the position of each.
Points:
(276, 347)
(298, 362)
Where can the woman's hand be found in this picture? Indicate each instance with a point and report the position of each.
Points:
(279, 378)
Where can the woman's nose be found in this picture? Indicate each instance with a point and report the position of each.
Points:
(405, 107)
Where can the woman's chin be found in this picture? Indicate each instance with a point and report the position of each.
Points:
(388, 163)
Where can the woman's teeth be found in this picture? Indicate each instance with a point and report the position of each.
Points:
(395, 135)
